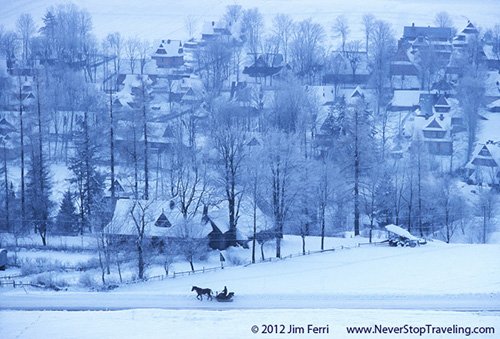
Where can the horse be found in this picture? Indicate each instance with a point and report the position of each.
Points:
(201, 292)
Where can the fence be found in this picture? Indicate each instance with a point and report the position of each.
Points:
(213, 269)
(17, 284)
(200, 271)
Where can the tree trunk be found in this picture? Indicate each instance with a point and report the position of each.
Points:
(140, 258)
(356, 175)
(23, 198)
(7, 195)
(146, 151)
(112, 148)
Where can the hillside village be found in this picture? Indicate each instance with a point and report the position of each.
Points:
(245, 133)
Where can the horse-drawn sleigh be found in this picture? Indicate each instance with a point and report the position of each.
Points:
(223, 296)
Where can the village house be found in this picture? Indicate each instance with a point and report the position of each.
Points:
(464, 37)
(484, 166)
(404, 74)
(169, 54)
(9, 139)
(265, 67)
(434, 34)
(164, 221)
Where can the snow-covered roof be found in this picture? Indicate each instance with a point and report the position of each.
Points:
(158, 132)
(406, 98)
(219, 215)
(494, 104)
(169, 48)
(413, 32)
(161, 219)
(487, 154)
(400, 231)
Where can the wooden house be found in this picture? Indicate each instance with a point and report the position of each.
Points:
(484, 166)
(169, 54)
(404, 74)
(437, 135)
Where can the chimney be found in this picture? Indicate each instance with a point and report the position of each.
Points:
(412, 24)
(213, 23)
(168, 41)
(441, 117)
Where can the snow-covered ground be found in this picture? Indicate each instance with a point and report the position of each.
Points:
(156, 323)
(340, 288)
(151, 19)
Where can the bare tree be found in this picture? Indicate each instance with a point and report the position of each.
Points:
(280, 159)
(26, 29)
(368, 21)
(132, 50)
(141, 216)
(144, 51)
(443, 19)
(382, 46)
(340, 29)
(229, 142)
(115, 43)
(252, 26)
(353, 54)
(190, 23)
(233, 14)
(193, 243)
(283, 29)
(306, 47)
(214, 59)
(187, 180)
(471, 90)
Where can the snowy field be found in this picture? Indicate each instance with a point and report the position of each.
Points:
(156, 323)
(153, 19)
(415, 286)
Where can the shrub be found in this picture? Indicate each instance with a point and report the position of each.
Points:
(48, 280)
(87, 280)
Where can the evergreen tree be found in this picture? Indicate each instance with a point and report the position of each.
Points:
(67, 218)
(38, 204)
(89, 182)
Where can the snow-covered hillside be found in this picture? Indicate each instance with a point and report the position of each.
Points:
(159, 20)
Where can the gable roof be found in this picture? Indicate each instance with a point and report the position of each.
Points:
(433, 125)
(487, 155)
(169, 48)
(442, 85)
(6, 127)
(154, 223)
(442, 102)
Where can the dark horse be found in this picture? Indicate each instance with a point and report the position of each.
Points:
(201, 292)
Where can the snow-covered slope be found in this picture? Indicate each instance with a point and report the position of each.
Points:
(160, 20)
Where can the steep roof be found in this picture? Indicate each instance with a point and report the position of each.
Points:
(161, 219)
(169, 48)
(442, 101)
(487, 155)
(6, 127)
(433, 125)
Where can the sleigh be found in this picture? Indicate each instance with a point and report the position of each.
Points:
(221, 297)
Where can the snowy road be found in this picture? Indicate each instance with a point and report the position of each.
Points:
(122, 301)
